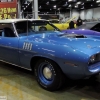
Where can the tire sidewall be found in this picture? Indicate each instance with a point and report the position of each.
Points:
(56, 73)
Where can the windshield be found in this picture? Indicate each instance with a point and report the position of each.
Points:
(34, 27)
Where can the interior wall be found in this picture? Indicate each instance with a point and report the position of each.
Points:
(82, 14)
(65, 16)
(87, 14)
(75, 13)
(96, 12)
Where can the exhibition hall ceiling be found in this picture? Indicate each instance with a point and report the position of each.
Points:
(54, 6)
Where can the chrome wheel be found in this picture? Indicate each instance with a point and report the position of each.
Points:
(47, 73)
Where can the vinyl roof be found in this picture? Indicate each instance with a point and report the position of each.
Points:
(17, 20)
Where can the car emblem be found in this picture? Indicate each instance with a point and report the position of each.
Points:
(89, 46)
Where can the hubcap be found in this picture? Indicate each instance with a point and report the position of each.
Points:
(47, 73)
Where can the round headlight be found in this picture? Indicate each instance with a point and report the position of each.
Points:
(92, 59)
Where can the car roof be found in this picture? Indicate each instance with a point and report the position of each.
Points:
(17, 20)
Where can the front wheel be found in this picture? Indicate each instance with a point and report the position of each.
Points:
(48, 75)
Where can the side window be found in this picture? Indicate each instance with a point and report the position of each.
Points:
(21, 27)
(6, 30)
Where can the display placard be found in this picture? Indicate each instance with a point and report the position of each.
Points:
(6, 1)
(8, 9)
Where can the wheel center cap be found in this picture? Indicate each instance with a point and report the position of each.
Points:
(47, 73)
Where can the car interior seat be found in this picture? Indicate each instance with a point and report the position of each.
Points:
(8, 32)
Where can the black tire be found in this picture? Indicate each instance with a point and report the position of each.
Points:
(56, 80)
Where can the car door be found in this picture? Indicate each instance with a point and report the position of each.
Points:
(9, 46)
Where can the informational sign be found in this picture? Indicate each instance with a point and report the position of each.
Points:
(8, 9)
(6, 0)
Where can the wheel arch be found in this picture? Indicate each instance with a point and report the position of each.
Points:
(35, 59)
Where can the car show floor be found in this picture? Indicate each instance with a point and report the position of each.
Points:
(20, 84)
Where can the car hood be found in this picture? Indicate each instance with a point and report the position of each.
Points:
(82, 31)
(77, 42)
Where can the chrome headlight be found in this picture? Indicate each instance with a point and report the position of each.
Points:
(92, 59)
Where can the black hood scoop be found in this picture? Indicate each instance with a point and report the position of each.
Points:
(73, 35)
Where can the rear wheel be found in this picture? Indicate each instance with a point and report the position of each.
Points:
(48, 75)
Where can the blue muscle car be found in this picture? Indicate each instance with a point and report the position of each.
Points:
(51, 55)
(90, 29)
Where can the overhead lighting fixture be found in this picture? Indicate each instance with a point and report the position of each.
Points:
(98, 1)
(70, 0)
(69, 5)
(78, 3)
(54, 7)
(76, 6)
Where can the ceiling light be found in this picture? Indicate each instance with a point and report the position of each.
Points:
(69, 6)
(54, 6)
(70, 0)
(76, 6)
(78, 3)
(98, 1)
